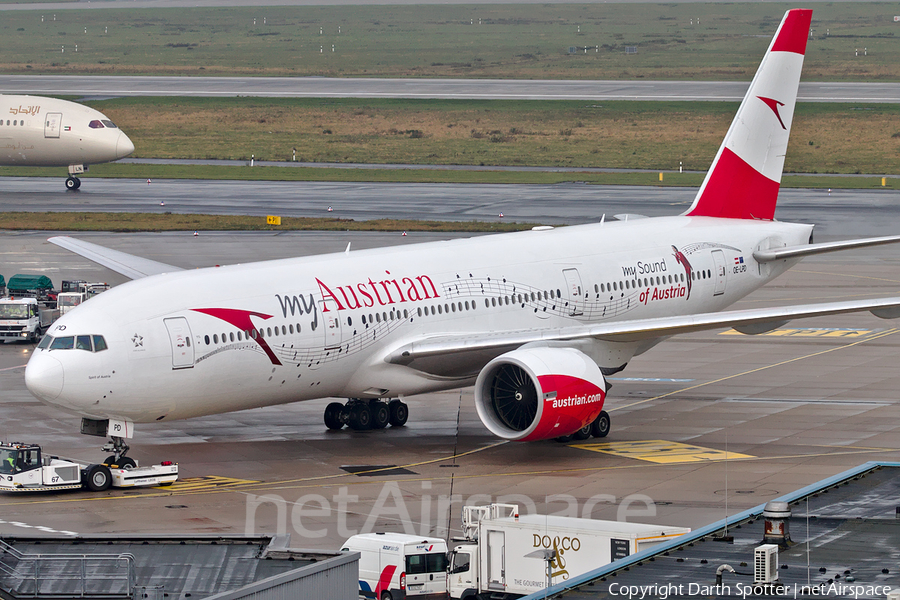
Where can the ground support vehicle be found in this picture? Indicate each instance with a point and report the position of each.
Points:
(394, 566)
(66, 301)
(32, 286)
(25, 468)
(87, 288)
(24, 318)
(505, 555)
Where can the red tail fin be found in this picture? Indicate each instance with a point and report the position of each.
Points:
(745, 176)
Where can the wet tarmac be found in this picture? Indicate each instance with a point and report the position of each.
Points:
(704, 425)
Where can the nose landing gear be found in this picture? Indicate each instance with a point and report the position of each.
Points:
(72, 183)
(118, 447)
(361, 415)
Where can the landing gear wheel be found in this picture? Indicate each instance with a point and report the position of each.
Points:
(360, 417)
(123, 462)
(563, 439)
(601, 425)
(72, 183)
(381, 416)
(98, 478)
(333, 415)
(583, 433)
(399, 413)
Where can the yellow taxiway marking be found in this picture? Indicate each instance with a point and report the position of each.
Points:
(661, 451)
(198, 484)
(817, 332)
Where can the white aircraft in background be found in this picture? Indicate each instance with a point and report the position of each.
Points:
(536, 320)
(36, 131)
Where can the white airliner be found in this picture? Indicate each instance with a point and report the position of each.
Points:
(48, 132)
(536, 320)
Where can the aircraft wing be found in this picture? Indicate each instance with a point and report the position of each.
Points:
(129, 265)
(750, 321)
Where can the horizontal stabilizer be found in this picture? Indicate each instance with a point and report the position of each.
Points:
(771, 254)
(129, 265)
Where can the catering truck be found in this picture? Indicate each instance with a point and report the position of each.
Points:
(393, 566)
(506, 555)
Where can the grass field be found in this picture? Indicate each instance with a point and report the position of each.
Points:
(125, 222)
(826, 138)
(673, 41)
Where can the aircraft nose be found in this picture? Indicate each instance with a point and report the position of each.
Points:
(44, 376)
(124, 146)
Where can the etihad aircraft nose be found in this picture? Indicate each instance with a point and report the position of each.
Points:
(124, 146)
(44, 376)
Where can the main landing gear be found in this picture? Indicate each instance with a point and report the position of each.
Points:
(361, 415)
(599, 428)
(72, 183)
(118, 459)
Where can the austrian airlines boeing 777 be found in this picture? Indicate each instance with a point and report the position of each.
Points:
(536, 320)
(48, 132)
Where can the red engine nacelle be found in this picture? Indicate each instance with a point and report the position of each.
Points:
(539, 393)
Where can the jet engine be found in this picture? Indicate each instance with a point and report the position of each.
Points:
(539, 393)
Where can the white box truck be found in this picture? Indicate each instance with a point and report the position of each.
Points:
(394, 566)
(505, 555)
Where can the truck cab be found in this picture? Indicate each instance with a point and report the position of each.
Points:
(463, 571)
(66, 301)
(22, 466)
(20, 318)
(17, 458)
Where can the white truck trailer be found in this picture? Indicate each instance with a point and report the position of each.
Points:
(24, 318)
(506, 555)
(25, 468)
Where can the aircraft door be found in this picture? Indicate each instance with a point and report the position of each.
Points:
(180, 338)
(576, 292)
(332, 324)
(719, 271)
(52, 124)
(496, 560)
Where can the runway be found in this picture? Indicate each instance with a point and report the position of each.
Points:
(841, 213)
(86, 4)
(485, 89)
(785, 409)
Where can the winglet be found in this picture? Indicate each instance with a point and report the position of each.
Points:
(745, 177)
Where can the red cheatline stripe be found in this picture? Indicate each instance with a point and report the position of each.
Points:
(795, 32)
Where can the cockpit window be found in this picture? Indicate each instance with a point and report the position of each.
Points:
(95, 124)
(91, 343)
(109, 124)
(63, 343)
